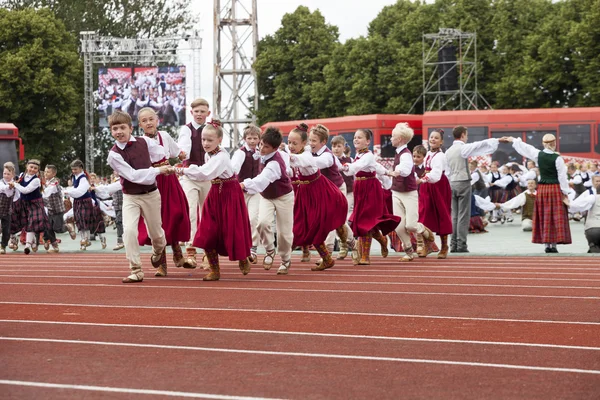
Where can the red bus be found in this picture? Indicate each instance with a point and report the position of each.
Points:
(577, 129)
(11, 145)
(380, 124)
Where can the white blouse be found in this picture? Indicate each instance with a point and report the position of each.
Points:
(216, 166)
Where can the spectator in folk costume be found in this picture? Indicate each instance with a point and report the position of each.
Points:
(7, 198)
(30, 186)
(115, 190)
(370, 216)
(405, 196)
(131, 158)
(586, 176)
(225, 225)
(319, 206)
(190, 143)
(435, 194)
(338, 146)
(54, 201)
(173, 203)
(246, 166)
(590, 201)
(87, 214)
(575, 179)
(526, 200)
(277, 196)
(478, 181)
(550, 218)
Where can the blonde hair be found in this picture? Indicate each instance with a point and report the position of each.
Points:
(9, 166)
(549, 141)
(199, 102)
(403, 130)
(321, 131)
(252, 130)
(144, 110)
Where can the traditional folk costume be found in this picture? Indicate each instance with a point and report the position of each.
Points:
(499, 193)
(526, 200)
(550, 218)
(330, 166)
(277, 196)
(586, 178)
(174, 208)
(7, 199)
(435, 198)
(589, 201)
(406, 204)
(478, 184)
(132, 161)
(246, 166)
(349, 181)
(370, 212)
(577, 183)
(190, 142)
(114, 190)
(225, 225)
(479, 206)
(319, 208)
(87, 213)
(37, 221)
(54, 202)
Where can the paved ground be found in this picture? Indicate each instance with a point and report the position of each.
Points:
(507, 239)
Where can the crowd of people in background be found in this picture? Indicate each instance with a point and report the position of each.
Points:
(309, 194)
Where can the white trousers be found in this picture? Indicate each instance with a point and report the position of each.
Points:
(283, 207)
(350, 198)
(406, 206)
(526, 225)
(148, 206)
(195, 192)
(253, 204)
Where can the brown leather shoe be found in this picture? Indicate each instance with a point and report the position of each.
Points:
(245, 266)
(161, 271)
(212, 276)
(158, 260)
(443, 252)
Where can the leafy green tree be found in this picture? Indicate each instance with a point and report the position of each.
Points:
(289, 62)
(40, 76)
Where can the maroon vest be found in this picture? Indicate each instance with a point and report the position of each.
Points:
(420, 170)
(137, 155)
(332, 173)
(281, 186)
(349, 179)
(404, 183)
(250, 167)
(197, 151)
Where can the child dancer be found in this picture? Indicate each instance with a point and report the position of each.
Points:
(526, 200)
(246, 166)
(338, 147)
(7, 195)
(329, 166)
(131, 158)
(435, 194)
(30, 186)
(54, 201)
(225, 226)
(88, 216)
(319, 206)
(173, 203)
(274, 185)
(498, 182)
(419, 154)
(589, 202)
(370, 212)
(405, 195)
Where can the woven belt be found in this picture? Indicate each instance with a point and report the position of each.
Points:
(299, 182)
(364, 178)
(161, 163)
(221, 181)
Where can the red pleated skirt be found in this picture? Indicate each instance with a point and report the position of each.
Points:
(498, 195)
(370, 210)
(435, 203)
(319, 208)
(225, 224)
(476, 225)
(550, 216)
(174, 211)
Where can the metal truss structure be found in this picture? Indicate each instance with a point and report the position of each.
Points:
(464, 65)
(235, 93)
(102, 50)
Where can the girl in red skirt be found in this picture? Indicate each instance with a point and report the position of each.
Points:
(550, 217)
(435, 194)
(224, 228)
(88, 216)
(30, 186)
(370, 212)
(319, 206)
(174, 208)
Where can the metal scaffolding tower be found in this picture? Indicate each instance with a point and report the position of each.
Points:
(103, 50)
(235, 93)
(450, 71)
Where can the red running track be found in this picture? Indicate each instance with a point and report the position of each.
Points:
(461, 328)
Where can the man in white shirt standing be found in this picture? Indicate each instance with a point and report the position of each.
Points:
(460, 181)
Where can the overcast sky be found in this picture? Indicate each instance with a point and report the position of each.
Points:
(352, 17)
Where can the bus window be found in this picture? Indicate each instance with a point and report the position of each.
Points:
(574, 138)
(598, 141)
(505, 152)
(534, 138)
(387, 150)
(476, 134)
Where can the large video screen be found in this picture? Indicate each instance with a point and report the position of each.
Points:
(131, 89)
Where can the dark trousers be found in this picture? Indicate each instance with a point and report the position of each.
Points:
(57, 225)
(593, 237)
(461, 214)
(119, 222)
(5, 222)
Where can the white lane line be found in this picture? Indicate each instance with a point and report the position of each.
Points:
(321, 282)
(298, 333)
(206, 287)
(344, 313)
(311, 355)
(109, 389)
